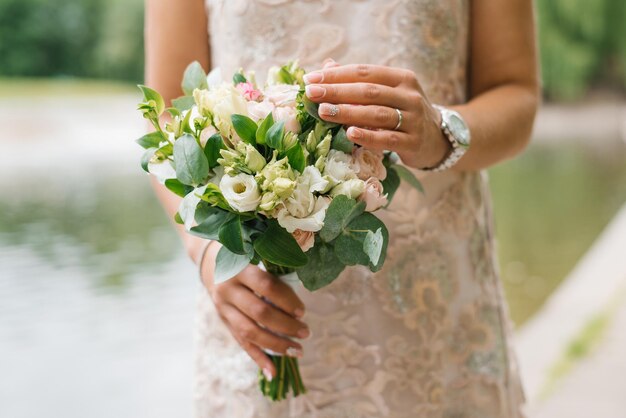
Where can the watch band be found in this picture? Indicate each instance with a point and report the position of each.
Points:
(457, 149)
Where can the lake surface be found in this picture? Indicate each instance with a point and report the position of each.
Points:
(97, 298)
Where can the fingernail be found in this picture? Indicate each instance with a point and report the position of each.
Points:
(314, 77)
(326, 109)
(354, 132)
(315, 92)
(267, 374)
(294, 352)
(304, 333)
(299, 313)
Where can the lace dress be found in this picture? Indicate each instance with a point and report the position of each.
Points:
(429, 335)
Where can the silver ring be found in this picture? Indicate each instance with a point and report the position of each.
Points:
(399, 120)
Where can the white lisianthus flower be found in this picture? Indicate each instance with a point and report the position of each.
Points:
(303, 211)
(312, 178)
(339, 167)
(259, 110)
(221, 101)
(241, 192)
(352, 188)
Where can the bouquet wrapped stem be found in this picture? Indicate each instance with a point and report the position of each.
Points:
(288, 376)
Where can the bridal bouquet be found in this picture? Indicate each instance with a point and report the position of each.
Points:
(261, 173)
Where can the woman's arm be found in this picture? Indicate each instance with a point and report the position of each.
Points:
(503, 86)
(175, 35)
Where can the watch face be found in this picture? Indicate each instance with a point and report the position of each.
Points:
(459, 130)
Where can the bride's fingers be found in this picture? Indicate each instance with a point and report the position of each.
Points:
(381, 117)
(267, 315)
(258, 356)
(249, 331)
(268, 286)
(358, 93)
(330, 63)
(381, 140)
(352, 73)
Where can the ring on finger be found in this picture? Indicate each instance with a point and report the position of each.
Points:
(399, 112)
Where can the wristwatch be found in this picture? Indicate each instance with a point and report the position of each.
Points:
(457, 132)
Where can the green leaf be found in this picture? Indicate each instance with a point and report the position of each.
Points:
(274, 137)
(341, 142)
(279, 247)
(231, 235)
(192, 166)
(373, 245)
(151, 140)
(296, 157)
(178, 219)
(146, 157)
(311, 107)
(194, 78)
(408, 176)
(185, 123)
(239, 78)
(165, 151)
(391, 183)
(229, 264)
(212, 148)
(177, 187)
(183, 103)
(173, 112)
(359, 229)
(341, 211)
(150, 94)
(210, 226)
(349, 249)
(323, 266)
(245, 127)
(261, 131)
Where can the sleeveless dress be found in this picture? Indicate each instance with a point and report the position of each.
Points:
(426, 337)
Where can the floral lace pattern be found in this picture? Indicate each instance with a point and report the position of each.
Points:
(429, 334)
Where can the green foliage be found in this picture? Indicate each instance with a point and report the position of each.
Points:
(193, 78)
(279, 247)
(192, 166)
(245, 127)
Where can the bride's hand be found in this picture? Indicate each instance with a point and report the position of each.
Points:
(250, 318)
(365, 97)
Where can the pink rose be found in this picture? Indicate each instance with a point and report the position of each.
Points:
(370, 163)
(287, 115)
(248, 91)
(259, 110)
(305, 239)
(373, 195)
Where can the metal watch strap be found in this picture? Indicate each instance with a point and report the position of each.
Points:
(457, 150)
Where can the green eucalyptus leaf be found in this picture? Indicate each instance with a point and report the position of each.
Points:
(192, 166)
(229, 264)
(279, 247)
(359, 229)
(245, 127)
(212, 148)
(391, 183)
(165, 151)
(408, 176)
(183, 103)
(178, 219)
(186, 127)
(210, 226)
(323, 266)
(349, 249)
(174, 113)
(231, 235)
(151, 140)
(311, 107)
(194, 78)
(150, 94)
(261, 132)
(341, 211)
(275, 134)
(373, 245)
(177, 187)
(341, 142)
(296, 157)
(146, 157)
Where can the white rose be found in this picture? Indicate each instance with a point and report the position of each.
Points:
(370, 163)
(282, 94)
(373, 195)
(339, 167)
(241, 192)
(303, 211)
(351, 188)
(288, 115)
(259, 110)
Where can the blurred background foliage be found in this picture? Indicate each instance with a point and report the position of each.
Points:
(583, 43)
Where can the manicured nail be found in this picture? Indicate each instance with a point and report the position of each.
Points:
(314, 77)
(315, 92)
(267, 374)
(294, 352)
(355, 133)
(304, 333)
(326, 109)
(299, 313)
